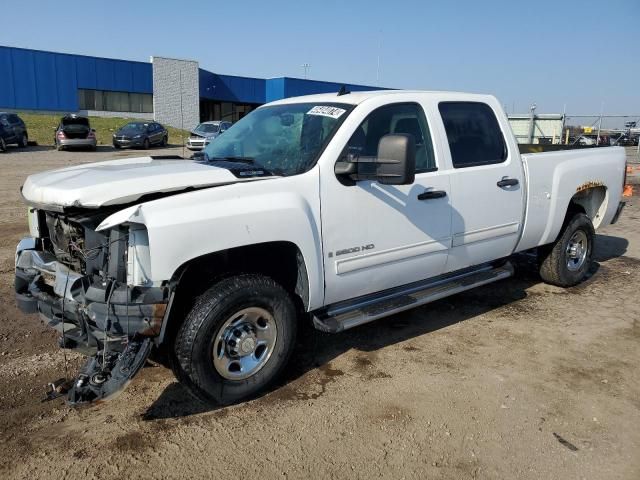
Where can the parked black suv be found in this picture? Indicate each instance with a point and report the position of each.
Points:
(12, 131)
(141, 134)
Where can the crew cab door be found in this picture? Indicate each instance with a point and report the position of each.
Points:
(486, 183)
(378, 236)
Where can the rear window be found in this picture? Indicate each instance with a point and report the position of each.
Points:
(473, 133)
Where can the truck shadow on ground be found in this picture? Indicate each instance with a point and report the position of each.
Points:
(316, 350)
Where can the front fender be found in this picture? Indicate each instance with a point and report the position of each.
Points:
(189, 225)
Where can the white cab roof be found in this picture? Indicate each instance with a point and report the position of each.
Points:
(355, 98)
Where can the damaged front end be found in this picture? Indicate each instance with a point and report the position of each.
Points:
(93, 287)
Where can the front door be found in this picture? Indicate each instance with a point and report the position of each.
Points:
(486, 184)
(380, 236)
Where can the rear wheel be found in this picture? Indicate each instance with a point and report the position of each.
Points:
(145, 144)
(164, 142)
(566, 262)
(236, 340)
(24, 141)
(3, 145)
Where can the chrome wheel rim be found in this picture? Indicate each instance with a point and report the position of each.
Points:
(576, 252)
(244, 343)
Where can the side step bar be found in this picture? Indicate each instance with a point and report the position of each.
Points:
(345, 315)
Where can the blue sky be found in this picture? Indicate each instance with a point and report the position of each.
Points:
(579, 53)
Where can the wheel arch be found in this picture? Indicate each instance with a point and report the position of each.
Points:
(282, 261)
(590, 200)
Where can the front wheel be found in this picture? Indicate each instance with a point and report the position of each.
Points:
(3, 145)
(145, 144)
(566, 262)
(24, 141)
(236, 340)
(164, 142)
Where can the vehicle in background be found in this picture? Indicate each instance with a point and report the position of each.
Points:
(202, 135)
(74, 131)
(348, 207)
(12, 131)
(628, 141)
(141, 134)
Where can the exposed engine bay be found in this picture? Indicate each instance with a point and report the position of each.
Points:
(90, 287)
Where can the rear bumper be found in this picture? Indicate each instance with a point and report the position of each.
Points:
(78, 142)
(91, 312)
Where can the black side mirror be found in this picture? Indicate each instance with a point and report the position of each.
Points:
(396, 160)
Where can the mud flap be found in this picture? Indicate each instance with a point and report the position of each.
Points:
(104, 375)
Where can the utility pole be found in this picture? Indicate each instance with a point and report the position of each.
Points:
(599, 124)
(378, 66)
(306, 66)
(532, 122)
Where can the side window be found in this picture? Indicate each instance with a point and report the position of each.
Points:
(474, 134)
(405, 118)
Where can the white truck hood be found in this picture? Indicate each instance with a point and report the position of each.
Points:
(121, 181)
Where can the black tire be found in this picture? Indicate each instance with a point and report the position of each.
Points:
(164, 142)
(24, 141)
(116, 146)
(3, 145)
(59, 147)
(554, 268)
(193, 351)
(145, 144)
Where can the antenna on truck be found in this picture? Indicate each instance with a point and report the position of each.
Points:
(343, 91)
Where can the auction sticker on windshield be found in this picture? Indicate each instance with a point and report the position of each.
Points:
(326, 111)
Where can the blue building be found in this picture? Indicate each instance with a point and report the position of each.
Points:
(176, 92)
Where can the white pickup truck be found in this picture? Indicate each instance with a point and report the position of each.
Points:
(336, 208)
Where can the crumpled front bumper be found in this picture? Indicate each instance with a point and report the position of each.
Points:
(94, 310)
(114, 323)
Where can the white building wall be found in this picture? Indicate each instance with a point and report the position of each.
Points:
(176, 92)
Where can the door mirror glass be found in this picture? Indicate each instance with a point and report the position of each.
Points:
(396, 159)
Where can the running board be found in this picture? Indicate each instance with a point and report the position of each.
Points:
(350, 314)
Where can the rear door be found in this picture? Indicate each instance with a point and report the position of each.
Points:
(18, 126)
(9, 137)
(378, 236)
(486, 184)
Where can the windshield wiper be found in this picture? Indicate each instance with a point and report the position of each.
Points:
(249, 160)
(246, 160)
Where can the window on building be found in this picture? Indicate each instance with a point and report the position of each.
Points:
(103, 100)
(474, 134)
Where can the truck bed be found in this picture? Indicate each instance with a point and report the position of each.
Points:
(554, 178)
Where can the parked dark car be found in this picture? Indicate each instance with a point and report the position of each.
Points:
(141, 134)
(12, 131)
(74, 131)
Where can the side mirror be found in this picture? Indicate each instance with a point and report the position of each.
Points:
(396, 160)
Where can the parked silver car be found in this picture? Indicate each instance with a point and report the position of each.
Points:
(205, 132)
(74, 131)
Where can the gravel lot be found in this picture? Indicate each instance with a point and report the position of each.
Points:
(514, 380)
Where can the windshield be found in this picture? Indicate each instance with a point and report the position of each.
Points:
(283, 139)
(207, 128)
(135, 126)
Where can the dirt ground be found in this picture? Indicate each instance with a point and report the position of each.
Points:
(514, 380)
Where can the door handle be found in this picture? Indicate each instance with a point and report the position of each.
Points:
(507, 182)
(432, 194)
